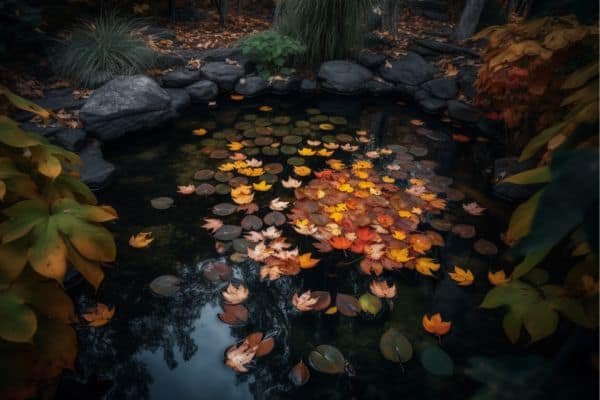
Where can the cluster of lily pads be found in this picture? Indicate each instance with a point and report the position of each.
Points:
(387, 218)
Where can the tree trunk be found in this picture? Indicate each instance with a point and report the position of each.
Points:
(222, 9)
(469, 19)
(277, 13)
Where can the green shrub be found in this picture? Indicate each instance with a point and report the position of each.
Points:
(270, 51)
(329, 29)
(98, 50)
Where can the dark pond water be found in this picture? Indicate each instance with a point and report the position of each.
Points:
(173, 347)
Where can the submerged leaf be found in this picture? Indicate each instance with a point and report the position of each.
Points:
(327, 359)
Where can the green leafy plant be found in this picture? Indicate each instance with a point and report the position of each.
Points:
(563, 214)
(270, 51)
(48, 220)
(328, 29)
(96, 51)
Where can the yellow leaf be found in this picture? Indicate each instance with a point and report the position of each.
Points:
(141, 240)
(302, 170)
(262, 186)
(306, 261)
(463, 277)
(305, 151)
(235, 146)
(436, 325)
(498, 278)
(399, 255)
(331, 310)
(200, 132)
(425, 266)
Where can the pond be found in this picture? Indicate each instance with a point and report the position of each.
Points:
(163, 347)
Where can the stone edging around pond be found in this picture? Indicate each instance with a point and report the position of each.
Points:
(132, 103)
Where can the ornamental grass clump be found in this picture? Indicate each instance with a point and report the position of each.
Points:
(96, 51)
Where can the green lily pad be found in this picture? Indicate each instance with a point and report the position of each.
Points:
(437, 362)
(262, 122)
(270, 151)
(269, 178)
(292, 139)
(250, 117)
(237, 181)
(313, 111)
(251, 223)
(370, 304)
(274, 168)
(162, 203)
(395, 346)
(418, 151)
(288, 150)
(223, 189)
(344, 138)
(295, 161)
(243, 125)
(251, 151)
(274, 218)
(317, 119)
(223, 176)
(328, 139)
(165, 285)
(282, 120)
(327, 359)
(302, 124)
(263, 141)
(208, 142)
(219, 135)
(263, 130)
(281, 131)
(250, 133)
(338, 120)
(347, 305)
(219, 154)
(241, 245)
(224, 209)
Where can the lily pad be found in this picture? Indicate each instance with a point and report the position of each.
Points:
(238, 180)
(224, 209)
(347, 305)
(299, 374)
(162, 203)
(455, 195)
(418, 151)
(327, 359)
(292, 139)
(274, 218)
(242, 125)
(437, 362)
(317, 119)
(223, 176)
(219, 154)
(328, 139)
(263, 141)
(205, 189)
(270, 151)
(222, 188)
(313, 111)
(204, 175)
(228, 232)
(269, 178)
(241, 245)
(250, 117)
(370, 304)
(165, 285)
(464, 231)
(395, 346)
(296, 161)
(217, 271)
(344, 138)
(302, 124)
(251, 151)
(282, 120)
(251, 223)
(288, 150)
(274, 168)
(485, 247)
(234, 314)
(442, 225)
(338, 120)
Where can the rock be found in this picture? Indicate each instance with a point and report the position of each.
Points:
(379, 87)
(220, 54)
(251, 86)
(343, 77)
(370, 59)
(70, 139)
(466, 82)
(406, 90)
(285, 86)
(410, 69)
(202, 91)
(180, 78)
(442, 88)
(445, 48)
(164, 61)
(505, 167)
(432, 105)
(126, 104)
(158, 32)
(95, 171)
(180, 98)
(423, 51)
(309, 86)
(225, 75)
(463, 112)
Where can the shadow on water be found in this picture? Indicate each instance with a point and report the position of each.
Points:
(172, 348)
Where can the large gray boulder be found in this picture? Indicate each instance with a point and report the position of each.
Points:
(180, 78)
(442, 88)
(180, 99)
(251, 86)
(126, 104)
(202, 91)
(224, 74)
(463, 112)
(410, 69)
(343, 77)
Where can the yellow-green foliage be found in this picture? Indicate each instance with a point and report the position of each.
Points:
(48, 220)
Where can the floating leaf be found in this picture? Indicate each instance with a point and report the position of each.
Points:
(437, 362)
(485, 247)
(99, 315)
(205, 189)
(395, 346)
(141, 240)
(235, 294)
(216, 271)
(327, 359)
(370, 304)
(234, 314)
(347, 305)
(224, 209)
(228, 232)
(162, 203)
(299, 374)
(165, 285)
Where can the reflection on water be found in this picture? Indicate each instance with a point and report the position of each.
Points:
(173, 348)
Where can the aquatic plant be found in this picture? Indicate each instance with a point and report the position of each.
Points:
(328, 29)
(49, 220)
(96, 51)
(564, 212)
